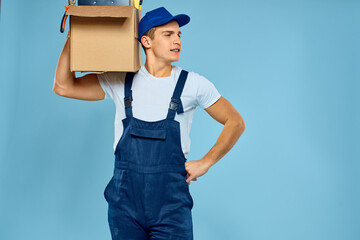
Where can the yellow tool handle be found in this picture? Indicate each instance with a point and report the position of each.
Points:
(138, 4)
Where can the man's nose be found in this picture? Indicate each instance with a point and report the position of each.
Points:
(177, 40)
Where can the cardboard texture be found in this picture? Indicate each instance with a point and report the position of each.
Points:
(104, 38)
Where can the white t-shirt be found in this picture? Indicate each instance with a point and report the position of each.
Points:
(152, 95)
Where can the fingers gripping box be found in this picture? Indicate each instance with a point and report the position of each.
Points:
(104, 38)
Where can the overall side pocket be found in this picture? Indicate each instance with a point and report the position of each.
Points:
(106, 191)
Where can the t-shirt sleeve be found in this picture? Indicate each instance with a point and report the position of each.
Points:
(207, 94)
(108, 82)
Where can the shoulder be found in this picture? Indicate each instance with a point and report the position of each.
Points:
(192, 76)
(112, 77)
(203, 89)
(198, 80)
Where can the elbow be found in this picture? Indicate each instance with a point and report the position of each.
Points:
(63, 85)
(55, 90)
(241, 126)
(237, 121)
(59, 91)
(240, 122)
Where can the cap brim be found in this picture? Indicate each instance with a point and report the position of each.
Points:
(182, 19)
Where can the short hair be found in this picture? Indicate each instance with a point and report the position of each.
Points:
(150, 33)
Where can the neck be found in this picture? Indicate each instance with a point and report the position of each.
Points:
(158, 69)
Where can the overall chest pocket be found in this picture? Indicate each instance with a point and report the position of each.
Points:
(148, 133)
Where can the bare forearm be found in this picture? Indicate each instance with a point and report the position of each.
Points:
(63, 76)
(229, 135)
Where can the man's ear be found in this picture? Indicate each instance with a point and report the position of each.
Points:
(146, 41)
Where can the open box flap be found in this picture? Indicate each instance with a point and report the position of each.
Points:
(137, 20)
(101, 11)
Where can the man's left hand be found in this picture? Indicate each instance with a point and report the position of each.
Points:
(195, 169)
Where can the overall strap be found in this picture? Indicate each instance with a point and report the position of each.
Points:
(128, 94)
(175, 103)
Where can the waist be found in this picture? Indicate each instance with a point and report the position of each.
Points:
(179, 168)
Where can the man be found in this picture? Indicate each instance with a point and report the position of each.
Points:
(148, 195)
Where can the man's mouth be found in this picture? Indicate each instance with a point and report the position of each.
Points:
(175, 50)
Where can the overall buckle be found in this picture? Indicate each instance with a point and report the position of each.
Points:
(128, 101)
(174, 104)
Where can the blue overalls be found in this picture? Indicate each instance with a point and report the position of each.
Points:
(148, 195)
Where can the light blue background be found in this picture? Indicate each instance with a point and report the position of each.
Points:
(291, 69)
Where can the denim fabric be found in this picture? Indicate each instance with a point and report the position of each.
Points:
(148, 196)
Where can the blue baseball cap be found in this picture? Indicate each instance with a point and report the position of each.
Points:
(160, 16)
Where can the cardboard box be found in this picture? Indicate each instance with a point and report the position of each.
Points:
(104, 38)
